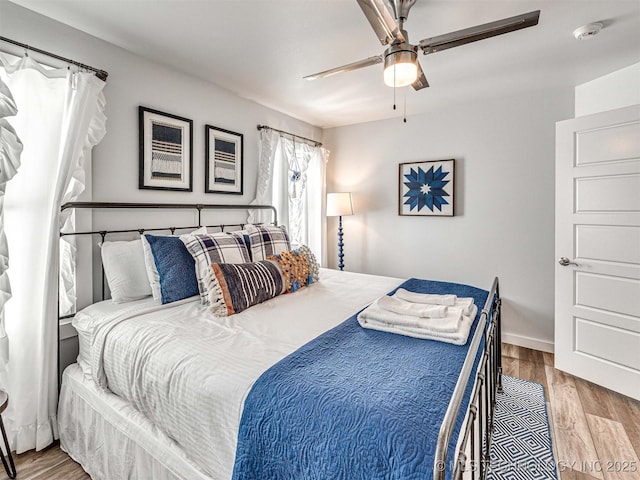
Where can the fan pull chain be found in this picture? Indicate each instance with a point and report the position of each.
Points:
(405, 107)
(394, 87)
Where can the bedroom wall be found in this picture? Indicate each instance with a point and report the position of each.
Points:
(616, 90)
(135, 81)
(504, 202)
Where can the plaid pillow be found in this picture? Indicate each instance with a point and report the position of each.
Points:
(214, 248)
(267, 240)
(234, 288)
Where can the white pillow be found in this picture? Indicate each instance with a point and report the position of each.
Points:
(150, 264)
(125, 270)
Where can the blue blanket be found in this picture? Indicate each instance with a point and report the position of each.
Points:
(354, 404)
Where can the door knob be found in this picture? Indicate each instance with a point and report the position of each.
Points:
(564, 261)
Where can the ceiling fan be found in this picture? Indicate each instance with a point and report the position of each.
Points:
(401, 66)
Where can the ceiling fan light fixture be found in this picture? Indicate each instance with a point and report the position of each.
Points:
(400, 68)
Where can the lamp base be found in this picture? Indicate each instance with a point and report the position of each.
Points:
(340, 245)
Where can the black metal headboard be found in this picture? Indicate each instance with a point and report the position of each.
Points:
(199, 207)
(166, 206)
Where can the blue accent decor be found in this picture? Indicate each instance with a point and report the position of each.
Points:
(426, 189)
(166, 133)
(247, 243)
(176, 268)
(225, 146)
(521, 443)
(354, 404)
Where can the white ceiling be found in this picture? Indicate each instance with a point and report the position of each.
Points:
(261, 49)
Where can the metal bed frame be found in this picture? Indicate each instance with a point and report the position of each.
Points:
(473, 454)
(473, 459)
(157, 206)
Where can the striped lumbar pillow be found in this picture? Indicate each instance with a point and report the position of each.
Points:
(236, 287)
(233, 288)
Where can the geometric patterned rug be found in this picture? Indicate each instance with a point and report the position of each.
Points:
(521, 443)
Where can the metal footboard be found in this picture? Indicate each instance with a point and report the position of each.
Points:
(472, 459)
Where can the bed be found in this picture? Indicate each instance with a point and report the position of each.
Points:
(290, 388)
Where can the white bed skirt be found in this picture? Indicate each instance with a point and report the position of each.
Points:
(112, 440)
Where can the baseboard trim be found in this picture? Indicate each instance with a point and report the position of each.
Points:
(528, 342)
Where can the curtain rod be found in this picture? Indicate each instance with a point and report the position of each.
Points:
(101, 74)
(267, 127)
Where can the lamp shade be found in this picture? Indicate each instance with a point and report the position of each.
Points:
(339, 204)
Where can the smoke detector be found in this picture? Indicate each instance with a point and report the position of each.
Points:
(587, 31)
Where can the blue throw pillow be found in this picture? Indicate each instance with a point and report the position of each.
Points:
(176, 268)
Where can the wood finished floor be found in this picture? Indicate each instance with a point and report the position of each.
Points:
(596, 432)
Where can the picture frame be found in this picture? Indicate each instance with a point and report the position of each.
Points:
(426, 188)
(224, 161)
(166, 151)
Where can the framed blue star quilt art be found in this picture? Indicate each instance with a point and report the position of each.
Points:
(426, 188)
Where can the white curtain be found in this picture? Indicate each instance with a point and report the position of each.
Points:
(291, 177)
(60, 118)
(10, 150)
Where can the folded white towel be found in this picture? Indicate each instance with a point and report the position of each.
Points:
(434, 299)
(403, 307)
(458, 337)
(450, 323)
(463, 302)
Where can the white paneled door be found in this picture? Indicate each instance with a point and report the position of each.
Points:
(597, 310)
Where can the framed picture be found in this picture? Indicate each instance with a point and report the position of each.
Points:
(426, 188)
(166, 151)
(223, 161)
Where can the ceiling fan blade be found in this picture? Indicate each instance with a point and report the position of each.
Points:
(382, 21)
(479, 32)
(421, 81)
(346, 68)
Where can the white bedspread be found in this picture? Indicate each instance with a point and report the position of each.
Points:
(189, 372)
